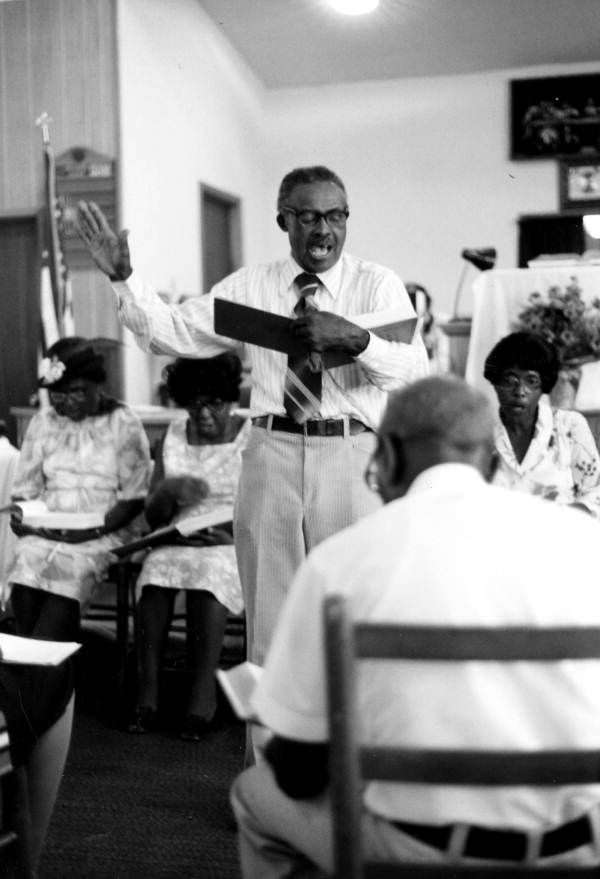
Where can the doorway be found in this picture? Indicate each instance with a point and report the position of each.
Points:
(221, 235)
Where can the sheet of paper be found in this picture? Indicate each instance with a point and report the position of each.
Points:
(267, 330)
(238, 684)
(220, 516)
(37, 515)
(186, 527)
(31, 651)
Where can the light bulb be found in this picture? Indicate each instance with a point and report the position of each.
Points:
(354, 7)
(591, 224)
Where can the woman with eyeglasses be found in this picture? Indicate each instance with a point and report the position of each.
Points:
(84, 453)
(540, 450)
(197, 470)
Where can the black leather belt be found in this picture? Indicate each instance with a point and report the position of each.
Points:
(314, 427)
(501, 845)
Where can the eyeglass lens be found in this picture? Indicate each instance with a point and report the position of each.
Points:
(512, 382)
(77, 396)
(334, 217)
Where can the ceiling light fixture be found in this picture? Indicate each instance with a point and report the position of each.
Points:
(354, 7)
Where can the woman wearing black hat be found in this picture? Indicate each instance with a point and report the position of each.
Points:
(541, 450)
(86, 452)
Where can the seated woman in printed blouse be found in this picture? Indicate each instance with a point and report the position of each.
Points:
(544, 451)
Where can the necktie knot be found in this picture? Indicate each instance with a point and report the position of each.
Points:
(307, 285)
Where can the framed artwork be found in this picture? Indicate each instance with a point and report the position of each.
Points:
(579, 184)
(555, 117)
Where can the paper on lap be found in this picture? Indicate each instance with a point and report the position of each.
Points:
(32, 651)
(185, 528)
(238, 684)
(36, 514)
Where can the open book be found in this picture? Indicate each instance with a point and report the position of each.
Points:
(186, 527)
(257, 327)
(36, 514)
(238, 684)
(31, 651)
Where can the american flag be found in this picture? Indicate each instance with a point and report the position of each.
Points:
(56, 295)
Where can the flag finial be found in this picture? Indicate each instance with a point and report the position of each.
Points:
(44, 122)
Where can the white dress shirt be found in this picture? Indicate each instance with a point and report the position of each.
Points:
(351, 287)
(453, 551)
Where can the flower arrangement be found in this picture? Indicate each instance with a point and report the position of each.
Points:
(566, 321)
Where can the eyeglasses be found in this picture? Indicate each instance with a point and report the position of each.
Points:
(334, 217)
(371, 474)
(79, 395)
(200, 401)
(531, 383)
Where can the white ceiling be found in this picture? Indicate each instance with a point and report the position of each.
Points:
(304, 42)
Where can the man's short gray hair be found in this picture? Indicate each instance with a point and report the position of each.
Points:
(443, 408)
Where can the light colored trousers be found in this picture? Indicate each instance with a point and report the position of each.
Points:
(281, 838)
(294, 491)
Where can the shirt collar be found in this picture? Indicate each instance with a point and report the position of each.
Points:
(331, 279)
(445, 478)
(542, 431)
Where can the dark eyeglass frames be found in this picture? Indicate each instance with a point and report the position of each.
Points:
(334, 217)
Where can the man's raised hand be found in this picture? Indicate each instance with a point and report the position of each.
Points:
(109, 251)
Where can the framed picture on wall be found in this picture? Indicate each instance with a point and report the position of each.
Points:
(555, 116)
(579, 184)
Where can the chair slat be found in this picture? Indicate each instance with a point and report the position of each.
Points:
(512, 643)
(451, 871)
(477, 768)
(351, 763)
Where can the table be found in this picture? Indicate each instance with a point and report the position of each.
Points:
(499, 295)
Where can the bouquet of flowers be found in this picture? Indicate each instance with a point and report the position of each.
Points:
(566, 321)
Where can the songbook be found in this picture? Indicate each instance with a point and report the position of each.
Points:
(36, 514)
(32, 651)
(257, 327)
(185, 528)
(238, 684)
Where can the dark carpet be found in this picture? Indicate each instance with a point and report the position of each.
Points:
(134, 807)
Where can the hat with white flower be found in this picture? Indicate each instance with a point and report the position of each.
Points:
(70, 358)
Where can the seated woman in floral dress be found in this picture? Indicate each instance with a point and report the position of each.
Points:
(86, 452)
(197, 470)
(543, 451)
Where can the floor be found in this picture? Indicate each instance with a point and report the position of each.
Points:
(134, 807)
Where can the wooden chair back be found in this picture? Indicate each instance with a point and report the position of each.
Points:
(354, 762)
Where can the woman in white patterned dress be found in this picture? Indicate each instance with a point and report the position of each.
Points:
(86, 452)
(540, 450)
(197, 470)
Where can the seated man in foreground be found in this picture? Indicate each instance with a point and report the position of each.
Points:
(447, 548)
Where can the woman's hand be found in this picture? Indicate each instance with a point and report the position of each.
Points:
(17, 527)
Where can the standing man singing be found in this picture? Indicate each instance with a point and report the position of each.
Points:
(302, 474)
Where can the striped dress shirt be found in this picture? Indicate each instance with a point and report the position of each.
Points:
(351, 287)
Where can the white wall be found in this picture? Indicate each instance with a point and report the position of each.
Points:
(425, 162)
(190, 111)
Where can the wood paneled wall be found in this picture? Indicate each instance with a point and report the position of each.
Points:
(58, 56)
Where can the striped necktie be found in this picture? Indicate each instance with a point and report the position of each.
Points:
(303, 378)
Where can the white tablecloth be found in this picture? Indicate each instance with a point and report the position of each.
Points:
(498, 297)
